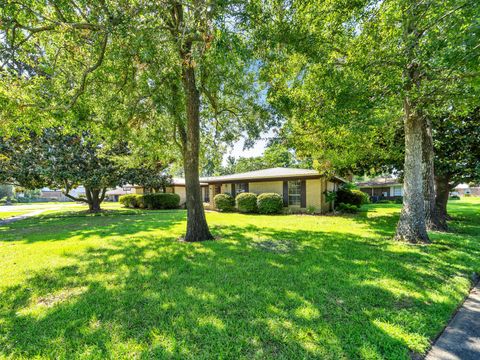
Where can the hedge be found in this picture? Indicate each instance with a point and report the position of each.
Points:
(224, 202)
(246, 202)
(352, 197)
(151, 201)
(129, 200)
(161, 201)
(269, 203)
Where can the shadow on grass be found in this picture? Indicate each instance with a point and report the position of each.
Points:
(82, 225)
(257, 293)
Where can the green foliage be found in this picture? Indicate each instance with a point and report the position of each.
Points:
(347, 208)
(246, 202)
(269, 203)
(330, 196)
(456, 140)
(153, 201)
(6, 190)
(311, 210)
(224, 202)
(454, 197)
(129, 200)
(351, 197)
(158, 201)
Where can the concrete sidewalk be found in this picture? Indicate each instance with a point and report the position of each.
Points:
(23, 216)
(461, 338)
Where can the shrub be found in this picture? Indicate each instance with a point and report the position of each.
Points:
(347, 208)
(269, 203)
(454, 197)
(246, 202)
(384, 201)
(161, 201)
(129, 200)
(224, 202)
(311, 210)
(352, 197)
(399, 200)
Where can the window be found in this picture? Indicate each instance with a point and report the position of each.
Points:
(294, 189)
(397, 191)
(241, 188)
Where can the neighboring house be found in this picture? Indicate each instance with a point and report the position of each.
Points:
(114, 194)
(300, 188)
(382, 188)
(57, 195)
(465, 190)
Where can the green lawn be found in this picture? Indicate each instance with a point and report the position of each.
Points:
(281, 287)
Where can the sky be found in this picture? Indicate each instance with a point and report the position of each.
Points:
(257, 150)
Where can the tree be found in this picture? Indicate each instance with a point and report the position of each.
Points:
(457, 160)
(353, 69)
(61, 161)
(180, 67)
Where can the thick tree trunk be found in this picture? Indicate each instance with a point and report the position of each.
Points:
(197, 227)
(431, 217)
(443, 190)
(411, 226)
(94, 198)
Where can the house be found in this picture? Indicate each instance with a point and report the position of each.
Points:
(57, 195)
(300, 188)
(465, 190)
(382, 188)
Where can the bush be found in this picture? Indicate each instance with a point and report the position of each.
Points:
(157, 201)
(269, 203)
(352, 197)
(347, 208)
(454, 197)
(399, 200)
(129, 201)
(246, 202)
(224, 202)
(384, 201)
(311, 210)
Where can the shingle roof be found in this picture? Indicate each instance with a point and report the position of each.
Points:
(278, 172)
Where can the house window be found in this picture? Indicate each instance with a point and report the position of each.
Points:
(294, 190)
(241, 188)
(397, 191)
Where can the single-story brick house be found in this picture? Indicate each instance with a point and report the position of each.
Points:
(300, 188)
(382, 188)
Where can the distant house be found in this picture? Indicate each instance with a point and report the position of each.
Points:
(466, 190)
(382, 188)
(57, 195)
(300, 188)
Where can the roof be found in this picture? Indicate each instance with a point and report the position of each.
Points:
(120, 191)
(379, 182)
(462, 187)
(181, 182)
(272, 173)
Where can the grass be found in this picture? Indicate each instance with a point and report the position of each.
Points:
(9, 214)
(120, 285)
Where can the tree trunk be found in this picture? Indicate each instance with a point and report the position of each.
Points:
(197, 227)
(443, 190)
(411, 226)
(432, 221)
(94, 199)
